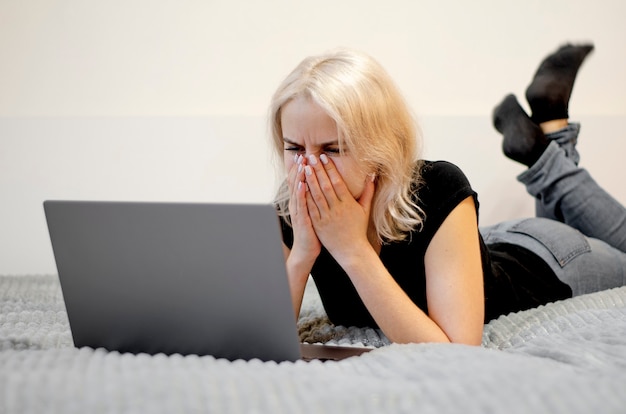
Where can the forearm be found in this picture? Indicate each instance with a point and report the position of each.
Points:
(297, 274)
(396, 314)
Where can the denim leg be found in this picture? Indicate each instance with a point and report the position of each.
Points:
(567, 138)
(568, 194)
(585, 264)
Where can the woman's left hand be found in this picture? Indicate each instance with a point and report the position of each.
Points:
(340, 221)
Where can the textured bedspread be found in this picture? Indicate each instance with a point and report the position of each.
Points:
(567, 357)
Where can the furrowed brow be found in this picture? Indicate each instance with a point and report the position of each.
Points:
(288, 141)
(324, 144)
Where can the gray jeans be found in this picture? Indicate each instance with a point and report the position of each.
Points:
(580, 230)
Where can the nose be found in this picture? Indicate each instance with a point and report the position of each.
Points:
(306, 153)
(316, 151)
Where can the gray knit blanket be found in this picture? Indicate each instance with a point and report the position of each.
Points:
(566, 357)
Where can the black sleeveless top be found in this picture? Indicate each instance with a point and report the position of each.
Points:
(514, 277)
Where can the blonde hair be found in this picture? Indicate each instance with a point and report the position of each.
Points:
(373, 124)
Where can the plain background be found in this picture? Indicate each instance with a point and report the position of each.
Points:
(166, 100)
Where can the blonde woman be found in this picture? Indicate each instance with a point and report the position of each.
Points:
(391, 240)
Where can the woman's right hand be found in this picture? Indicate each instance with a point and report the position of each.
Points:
(306, 245)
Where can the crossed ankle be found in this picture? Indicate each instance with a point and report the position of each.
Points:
(554, 125)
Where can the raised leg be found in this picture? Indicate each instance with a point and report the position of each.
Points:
(562, 190)
(569, 194)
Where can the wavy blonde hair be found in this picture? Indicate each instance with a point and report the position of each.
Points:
(373, 123)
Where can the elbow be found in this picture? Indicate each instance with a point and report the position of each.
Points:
(438, 336)
(418, 338)
(470, 338)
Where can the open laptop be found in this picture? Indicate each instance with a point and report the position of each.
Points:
(186, 278)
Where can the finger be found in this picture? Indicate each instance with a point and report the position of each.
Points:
(368, 193)
(340, 188)
(300, 180)
(316, 193)
(296, 175)
(323, 180)
(312, 209)
(300, 199)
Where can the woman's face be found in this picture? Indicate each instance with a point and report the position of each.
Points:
(308, 130)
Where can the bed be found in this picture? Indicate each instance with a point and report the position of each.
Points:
(565, 357)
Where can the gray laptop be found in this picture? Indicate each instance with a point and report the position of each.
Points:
(185, 278)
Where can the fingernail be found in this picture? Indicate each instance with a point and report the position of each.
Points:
(299, 185)
(324, 159)
(312, 159)
(299, 159)
(308, 170)
(299, 168)
(295, 158)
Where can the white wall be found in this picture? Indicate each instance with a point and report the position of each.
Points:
(224, 57)
(165, 100)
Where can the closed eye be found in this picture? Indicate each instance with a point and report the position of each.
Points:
(291, 146)
(332, 150)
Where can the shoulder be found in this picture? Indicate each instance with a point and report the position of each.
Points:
(442, 182)
(441, 186)
(442, 173)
